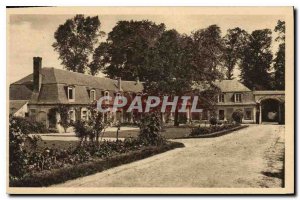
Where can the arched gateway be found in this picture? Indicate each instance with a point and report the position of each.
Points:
(270, 106)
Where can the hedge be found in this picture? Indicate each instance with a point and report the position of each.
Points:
(215, 134)
(57, 176)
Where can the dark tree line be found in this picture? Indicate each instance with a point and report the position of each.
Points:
(170, 62)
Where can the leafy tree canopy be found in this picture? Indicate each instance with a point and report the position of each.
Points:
(279, 61)
(128, 49)
(234, 43)
(256, 61)
(75, 40)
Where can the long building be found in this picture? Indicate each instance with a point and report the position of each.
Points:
(36, 94)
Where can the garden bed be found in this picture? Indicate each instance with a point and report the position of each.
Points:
(215, 133)
(55, 176)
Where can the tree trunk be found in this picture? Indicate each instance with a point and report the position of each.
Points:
(97, 138)
(176, 116)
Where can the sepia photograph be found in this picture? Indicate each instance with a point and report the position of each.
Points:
(150, 100)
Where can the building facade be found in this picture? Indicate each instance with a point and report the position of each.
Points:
(36, 94)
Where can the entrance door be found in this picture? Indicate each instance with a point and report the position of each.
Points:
(221, 115)
(42, 117)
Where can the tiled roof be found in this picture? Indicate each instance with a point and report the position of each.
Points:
(269, 92)
(54, 82)
(15, 105)
(20, 92)
(231, 86)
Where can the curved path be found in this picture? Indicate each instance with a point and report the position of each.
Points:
(239, 159)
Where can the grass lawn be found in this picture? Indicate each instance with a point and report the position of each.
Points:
(168, 133)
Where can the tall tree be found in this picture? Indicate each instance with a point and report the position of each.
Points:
(101, 58)
(234, 42)
(279, 61)
(75, 41)
(256, 60)
(174, 71)
(128, 48)
(207, 51)
(169, 73)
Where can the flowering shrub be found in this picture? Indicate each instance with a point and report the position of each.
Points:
(213, 120)
(28, 125)
(149, 129)
(211, 129)
(28, 162)
(18, 156)
(24, 162)
(91, 128)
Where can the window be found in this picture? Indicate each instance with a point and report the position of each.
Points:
(92, 95)
(248, 113)
(106, 93)
(221, 114)
(72, 115)
(221, 98)
(118, 94)
(238, 97)
(84, 115)
(71, 93)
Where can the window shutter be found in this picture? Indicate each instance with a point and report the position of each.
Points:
(232, 98)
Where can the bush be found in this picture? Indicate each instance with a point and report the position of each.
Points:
(212, 129)
(213, 121)
(182, 119)
(200, 131)
(92, 128)
(237, 116)
(150, 129)
(28, 125)
(18, 156)
(82, 130)
(50, 177)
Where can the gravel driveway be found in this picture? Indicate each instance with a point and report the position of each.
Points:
(240, 159)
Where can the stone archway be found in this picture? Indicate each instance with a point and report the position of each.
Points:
(271, 110)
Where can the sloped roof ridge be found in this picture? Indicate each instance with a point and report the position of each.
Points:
(80, 74)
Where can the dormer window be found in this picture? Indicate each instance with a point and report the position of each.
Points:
(93, 95)
(118, 94)
(221, 98)
(238, 97)
(71, 93)
(106, 93)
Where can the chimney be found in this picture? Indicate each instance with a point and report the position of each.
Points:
(137, 80)
(37, 78)
(119, 83)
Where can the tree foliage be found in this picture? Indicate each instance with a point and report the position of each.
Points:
(75, 41)
(150, 130)
(93, 127)
(235, 42)
(279, 61)
(18, 156)
(128, 49)
(256, 61)
(207, 52)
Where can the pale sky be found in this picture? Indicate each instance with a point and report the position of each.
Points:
(33, 35)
